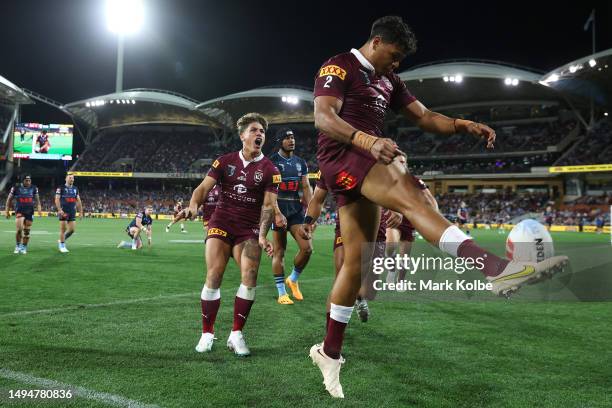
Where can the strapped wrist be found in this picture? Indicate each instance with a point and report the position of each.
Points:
(363, 140)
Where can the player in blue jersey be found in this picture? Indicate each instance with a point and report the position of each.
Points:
(67, 201)
(462, 217)
(24, 194)
(294, 173)
(141, 223)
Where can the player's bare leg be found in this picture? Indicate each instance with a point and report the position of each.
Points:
(394, 188)
(359, 220)
(18, 234)
(250, 256)
(393, 239)
(299, 262)
(279, 239)
(217, 254)
(25, 240)
(62, 237)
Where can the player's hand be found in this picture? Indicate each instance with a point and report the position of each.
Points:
(306, 231)
(266, 246)
(280, 220)
(190, 212)
(384, 150)
(482, 131)
(394, 219)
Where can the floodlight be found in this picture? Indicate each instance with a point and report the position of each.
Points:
(124, 16)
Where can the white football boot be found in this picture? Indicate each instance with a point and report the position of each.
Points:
(236, 343)
(206, 342)
(17, 249)
(330, 368)
(517, 274)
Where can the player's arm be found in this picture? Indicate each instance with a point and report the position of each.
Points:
(38, 205)
(265, 220)
(199, 196)
(58, 204)
(327, 120)
(7, 205)
(435, 122)
(313, 212)
(80, 206)
(306, 189)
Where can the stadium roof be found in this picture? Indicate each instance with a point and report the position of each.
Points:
(585, 77)
(455, 83)
(279, 104)
(137, 107)
(11, 94)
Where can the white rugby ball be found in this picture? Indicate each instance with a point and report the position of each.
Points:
(529, 241)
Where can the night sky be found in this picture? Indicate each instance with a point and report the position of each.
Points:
(206, 49)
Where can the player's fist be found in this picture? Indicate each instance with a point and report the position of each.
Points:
(394, 219)
(306, 231)
(384, 150)
(266, 246)
(280, 221)
(190, 212)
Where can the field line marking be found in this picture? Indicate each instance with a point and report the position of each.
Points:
(122, 302)
(104, 397)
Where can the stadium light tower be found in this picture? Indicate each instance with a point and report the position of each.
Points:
(123, 17)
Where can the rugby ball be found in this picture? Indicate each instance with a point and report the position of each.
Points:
(529, 241)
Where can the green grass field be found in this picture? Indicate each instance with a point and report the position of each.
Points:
(126, 323)
(59, 144)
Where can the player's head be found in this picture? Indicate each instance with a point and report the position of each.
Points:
(44, 132)
(463, 205)
(27, 180)
(391, 40)
(252, 130)
(286, 139)
(69, 179)
(148, 210)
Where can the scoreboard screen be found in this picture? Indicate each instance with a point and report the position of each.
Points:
(38, 141)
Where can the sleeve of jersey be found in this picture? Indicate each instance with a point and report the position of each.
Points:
(332, 79)
(401, 96)
(12, 192)
(274, 180)
(305, 167)
(216, 170)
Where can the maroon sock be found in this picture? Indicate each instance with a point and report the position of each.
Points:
(209, 314)
(242, 307)
(334, 338)
(327, 321)
(493, 264)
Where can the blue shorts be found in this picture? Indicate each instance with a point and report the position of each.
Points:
(295, 215)
(26, 213)
(69, 215)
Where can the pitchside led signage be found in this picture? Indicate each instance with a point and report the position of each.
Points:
(39, 141)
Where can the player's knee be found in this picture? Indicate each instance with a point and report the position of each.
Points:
(249, 275)
(26, 232)
(279, 253)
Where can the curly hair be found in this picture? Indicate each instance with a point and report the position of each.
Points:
(393, 30)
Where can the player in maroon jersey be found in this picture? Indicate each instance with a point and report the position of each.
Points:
(43, 142)
(238, 227)
(179, 215)
(353, 92)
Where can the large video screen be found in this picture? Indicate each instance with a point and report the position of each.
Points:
(38, 141)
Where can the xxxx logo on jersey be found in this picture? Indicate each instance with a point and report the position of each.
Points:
(217, 231)
(333, 70)
(346, 180)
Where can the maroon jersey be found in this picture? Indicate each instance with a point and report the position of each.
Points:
(42, 140)
(178, 207)
(243, 185)
(211, 202)
(366, 99)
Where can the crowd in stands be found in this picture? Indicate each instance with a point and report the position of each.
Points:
(594, 148)
(481, 165)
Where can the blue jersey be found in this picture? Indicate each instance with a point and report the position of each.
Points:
(68, 197)
(24, 197)
(144, 220)
(292, 170)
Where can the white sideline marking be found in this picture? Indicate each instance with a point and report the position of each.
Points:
(32, 232)
(122, 302)
(186, 241)
(106, 398)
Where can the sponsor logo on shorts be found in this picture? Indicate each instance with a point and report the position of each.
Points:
(216, 231)
(215, 164)
(339, 241)
(346, 180)
(276, 179)
(333, 70)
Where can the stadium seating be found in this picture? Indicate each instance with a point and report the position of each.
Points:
(594, 148)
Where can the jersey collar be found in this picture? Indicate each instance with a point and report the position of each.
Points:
(363, 60)
(246, 162)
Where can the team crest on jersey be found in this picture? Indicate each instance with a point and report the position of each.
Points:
(333, 70)
(231, 169)
(298, 166)
(346, 180)
(258, 176)
(282, 166)
(366, 76)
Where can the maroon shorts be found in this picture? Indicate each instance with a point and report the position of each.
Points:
(345, 172)
(229, 232)
(406, 231)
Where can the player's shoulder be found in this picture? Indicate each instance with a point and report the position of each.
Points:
(345, 58)
(224, 159)
(268, 164)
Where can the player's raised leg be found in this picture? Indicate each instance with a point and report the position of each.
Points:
(359, 220)
(217, 255)
(279, 237)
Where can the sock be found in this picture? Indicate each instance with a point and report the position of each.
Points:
(68, 234)
(295, 275)
(280, 285)
(211, 300)
(339, 318)
(493, 264)
(245, 297)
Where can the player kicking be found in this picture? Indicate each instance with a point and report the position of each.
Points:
(179, 215)
(24, 195)
(353, 92)
(294, 174)
(143, 222)
(238, 227)
(67, 202)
